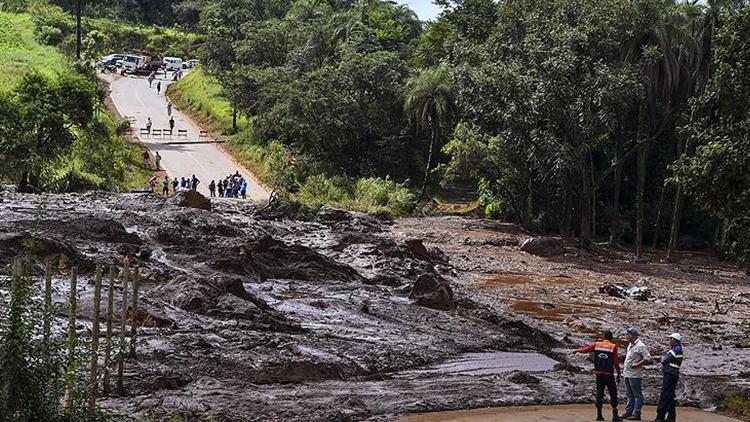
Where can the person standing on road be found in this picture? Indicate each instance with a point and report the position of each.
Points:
(157, 160)
(636, 357)
(220, 185)
(670, 369)
(243, 189)
(212, 188)
(175, 184)
(146, 159)
(194, 182)
(169, 108)
(158, 88)
(605, 364)
(165, 186)
(171, 124)
(148, 125)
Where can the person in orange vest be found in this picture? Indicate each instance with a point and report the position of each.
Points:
(606, 363)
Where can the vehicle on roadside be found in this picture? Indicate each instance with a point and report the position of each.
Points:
(133, 63)
(190, 63)
(110, 60)
(172, 63)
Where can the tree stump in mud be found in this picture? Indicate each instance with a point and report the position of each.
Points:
(432, 292)
(544, 246)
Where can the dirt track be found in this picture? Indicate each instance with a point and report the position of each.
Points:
(563, 413)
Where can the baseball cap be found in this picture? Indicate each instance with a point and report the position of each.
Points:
(632, 331)
(676, 336)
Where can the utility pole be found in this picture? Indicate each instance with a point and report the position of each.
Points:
(78, 29)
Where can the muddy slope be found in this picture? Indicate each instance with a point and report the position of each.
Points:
(250, 315)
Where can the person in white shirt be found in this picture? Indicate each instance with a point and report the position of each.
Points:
(637, 356)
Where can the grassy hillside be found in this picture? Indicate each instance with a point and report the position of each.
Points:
(20, 51)
(202, 96)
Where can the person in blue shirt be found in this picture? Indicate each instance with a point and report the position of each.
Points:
(670, 369)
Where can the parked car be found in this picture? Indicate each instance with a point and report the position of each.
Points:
(172, 63)
(190, 63)
(110, 60)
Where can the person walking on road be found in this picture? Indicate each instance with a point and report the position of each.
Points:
(148, 125)
(157, 160)
(670, 369)
(632, 371)
(171, 124)
(194, 182)
(606, 363)
(158, 88)
(169, 108)
(165, 186)
(212, 188)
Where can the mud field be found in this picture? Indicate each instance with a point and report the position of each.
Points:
(250, 315)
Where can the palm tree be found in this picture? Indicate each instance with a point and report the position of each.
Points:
(670, 83)
(429, 106)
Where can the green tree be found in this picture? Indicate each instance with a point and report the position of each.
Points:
(717, 175)
(430, 107)
(40, 119)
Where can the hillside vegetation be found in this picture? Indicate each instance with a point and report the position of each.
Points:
(20, 52)
(88, 154)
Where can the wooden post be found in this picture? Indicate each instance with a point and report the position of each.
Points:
(72, 339)
(108, 340)
(95, 338)
(123, 318)
(134, 314)
(47, 302)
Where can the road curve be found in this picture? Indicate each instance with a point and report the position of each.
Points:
(180, 157)
(557, 413)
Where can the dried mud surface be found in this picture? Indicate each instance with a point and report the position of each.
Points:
(248, 315)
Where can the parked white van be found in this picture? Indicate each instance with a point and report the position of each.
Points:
(172, 63)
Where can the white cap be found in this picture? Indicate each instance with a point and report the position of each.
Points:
(676, 336)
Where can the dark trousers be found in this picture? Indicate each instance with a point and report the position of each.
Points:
(667, 404)
(607, 381)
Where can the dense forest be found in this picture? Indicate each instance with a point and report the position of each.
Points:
(616, 120)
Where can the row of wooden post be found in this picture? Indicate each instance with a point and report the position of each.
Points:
(72, 335)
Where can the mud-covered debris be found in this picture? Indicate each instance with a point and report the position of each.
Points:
(544, 246)
(384, 280)
(432, 292)
(417, 248)
(342, 220)
(518, 377)
(492, 241)
(192, 199)
(625, 292)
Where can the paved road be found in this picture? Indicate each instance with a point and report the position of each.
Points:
(562, 413)
(180, 157)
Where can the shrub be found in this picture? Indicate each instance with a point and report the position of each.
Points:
(319, 189)
(377, 195)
